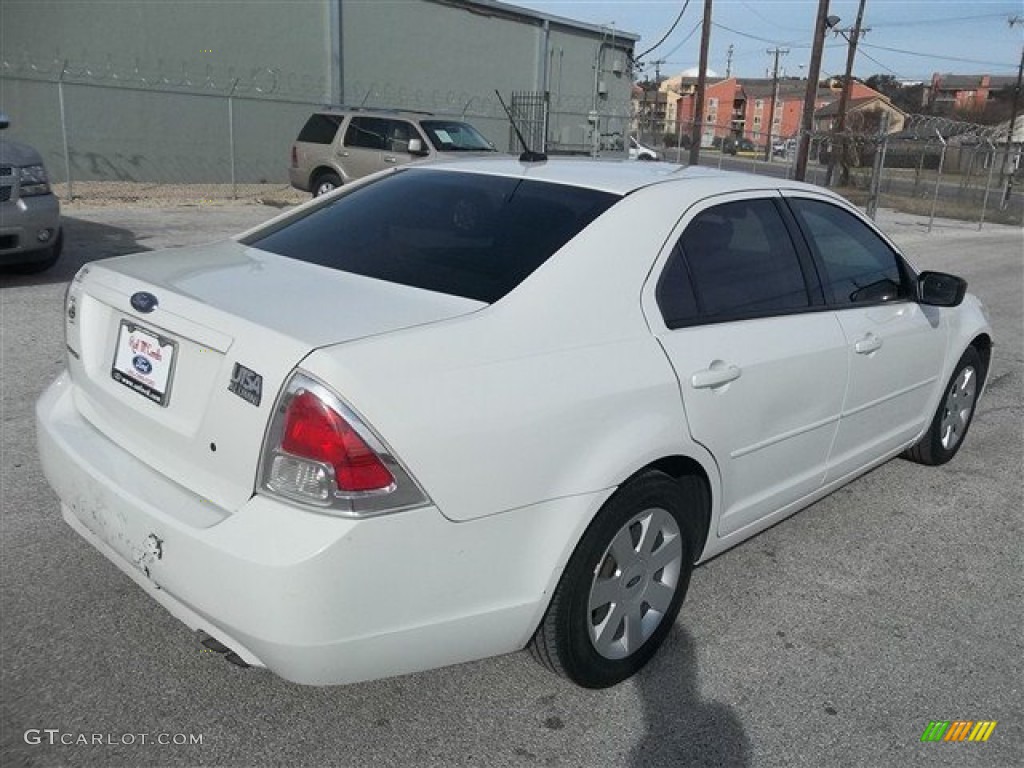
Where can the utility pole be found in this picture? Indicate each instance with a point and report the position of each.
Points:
(777, 52)
(813, 72)
(657, 70)
(1014, 110)
(844, 99)
(702, 81)
(728, 61)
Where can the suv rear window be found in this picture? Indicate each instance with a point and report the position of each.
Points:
(470, 235)
(320, 129)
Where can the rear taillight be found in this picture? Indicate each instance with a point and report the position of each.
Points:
(295, 156)
(314, 431)
(318, 451)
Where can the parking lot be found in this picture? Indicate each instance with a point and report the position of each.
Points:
(831, 639)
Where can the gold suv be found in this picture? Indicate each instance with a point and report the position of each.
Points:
(338, 145)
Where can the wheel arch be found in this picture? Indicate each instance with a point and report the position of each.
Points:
(983, 344)
(319, 171)
(677, 467)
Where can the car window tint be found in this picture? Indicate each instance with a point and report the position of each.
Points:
(859, 267)
(742, 261)
(471, 235)
(320, 129)
(675, 291)
(367, 132)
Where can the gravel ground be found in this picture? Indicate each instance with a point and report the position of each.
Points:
(121, 194)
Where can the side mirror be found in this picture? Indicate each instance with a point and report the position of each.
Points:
(416, 147)
(939, 289)
(4, 120)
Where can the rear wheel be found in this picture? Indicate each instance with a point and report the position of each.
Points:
(623, 586)
(326, 183)
(953, 417)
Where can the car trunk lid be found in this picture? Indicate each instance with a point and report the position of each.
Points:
(188, 385)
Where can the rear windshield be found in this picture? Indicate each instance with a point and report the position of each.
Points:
(465, 234)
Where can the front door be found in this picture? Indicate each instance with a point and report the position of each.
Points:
(895, 345)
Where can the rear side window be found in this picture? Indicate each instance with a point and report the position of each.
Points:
(466, 234)
(320, 129)
(858, 266)
(733, 260)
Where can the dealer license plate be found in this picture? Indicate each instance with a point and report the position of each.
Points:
(144, 362)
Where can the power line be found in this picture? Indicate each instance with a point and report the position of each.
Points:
(945, 20)
(936, 56)
(670, 30)
(685, 39)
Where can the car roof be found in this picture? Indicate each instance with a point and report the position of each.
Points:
(371, 111)
(618, 176)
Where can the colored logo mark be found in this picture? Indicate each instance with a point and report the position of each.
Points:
(958, 730)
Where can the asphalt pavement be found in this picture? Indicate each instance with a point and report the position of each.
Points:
(832, 639)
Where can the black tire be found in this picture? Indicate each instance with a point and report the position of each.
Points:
(325, 183)
(43, 263)
(570, 641)
(953, 417)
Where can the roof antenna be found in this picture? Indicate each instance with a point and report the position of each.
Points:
(528, 156)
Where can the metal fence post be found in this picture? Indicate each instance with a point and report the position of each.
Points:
(877, 167)
(938, 179)
(231, 137)
(988, 185)
(64, 127)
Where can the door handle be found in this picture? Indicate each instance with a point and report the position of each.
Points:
(390, 159)
(867, 344)
(715, 376)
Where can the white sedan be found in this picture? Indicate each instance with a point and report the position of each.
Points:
(452, 411)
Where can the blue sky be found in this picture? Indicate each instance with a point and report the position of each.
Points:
(910, 39)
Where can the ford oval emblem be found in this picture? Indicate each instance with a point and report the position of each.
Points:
(142, 365)
(144, 302)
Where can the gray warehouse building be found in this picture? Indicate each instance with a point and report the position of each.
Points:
(213, 91)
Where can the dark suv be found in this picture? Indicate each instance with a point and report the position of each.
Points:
(30, 231)
(338, 145)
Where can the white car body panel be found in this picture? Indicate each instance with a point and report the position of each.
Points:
(518, 419)
(248, 325)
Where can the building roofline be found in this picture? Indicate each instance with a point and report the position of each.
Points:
(527, 14)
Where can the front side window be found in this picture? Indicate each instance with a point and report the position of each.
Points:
(733, 260)
(367, 132)
(858, 266)
(471, 235)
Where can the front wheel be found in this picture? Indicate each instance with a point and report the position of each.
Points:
(953, 417)
(624, 584)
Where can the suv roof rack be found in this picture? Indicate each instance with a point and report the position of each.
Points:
(381, 110)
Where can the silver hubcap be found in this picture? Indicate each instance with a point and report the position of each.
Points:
(324, 187)
(956, 412)
(634, 583)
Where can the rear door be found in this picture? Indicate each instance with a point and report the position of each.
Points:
(895, 345)
(761, 366)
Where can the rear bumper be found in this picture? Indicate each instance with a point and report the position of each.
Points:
(20, 222)
(316, 599)
(299, 179)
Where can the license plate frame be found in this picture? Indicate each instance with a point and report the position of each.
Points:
(144, 361)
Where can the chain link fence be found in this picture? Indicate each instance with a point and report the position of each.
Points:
(116, 130)
(933, 166)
